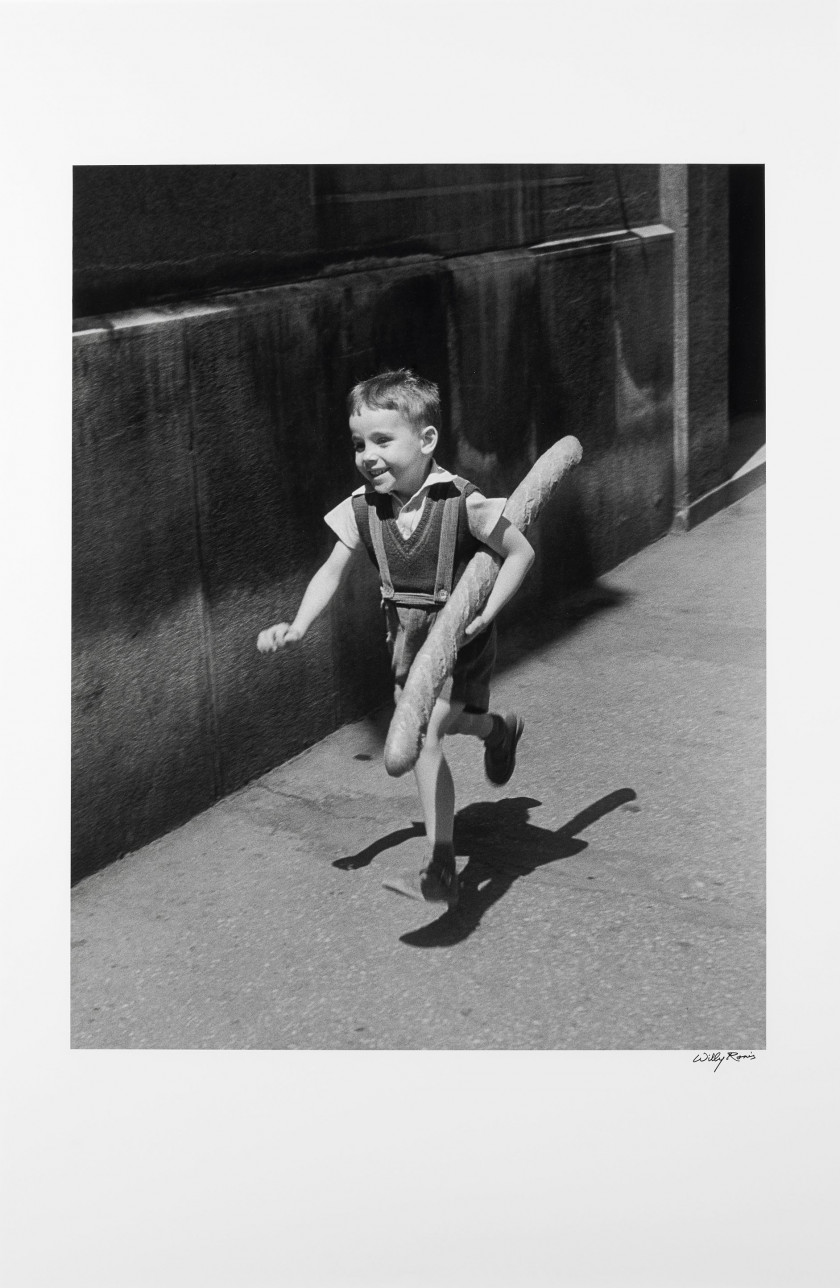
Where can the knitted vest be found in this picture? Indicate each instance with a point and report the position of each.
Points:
(419, 570)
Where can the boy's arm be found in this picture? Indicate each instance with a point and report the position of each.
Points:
(317, 595)
(518, 555)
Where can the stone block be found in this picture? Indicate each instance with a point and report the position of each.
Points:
(577, 377)
(158, 232)
(606, 309)
(589, 198)
(395, 317)
(142, 720)
(494, 349)
(267, 452)
(643, 288)
(426, 209)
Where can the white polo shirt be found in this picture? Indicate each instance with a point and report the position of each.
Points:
(483, 513)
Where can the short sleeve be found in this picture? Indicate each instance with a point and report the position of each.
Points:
(483, 513)
(342, 520)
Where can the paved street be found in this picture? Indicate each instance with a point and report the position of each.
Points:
(613, 892)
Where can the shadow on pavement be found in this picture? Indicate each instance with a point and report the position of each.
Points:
(353, 861)
(535, 625)
(502, 846)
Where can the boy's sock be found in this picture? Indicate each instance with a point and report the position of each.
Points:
(500, 748)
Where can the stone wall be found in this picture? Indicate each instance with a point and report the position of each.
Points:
(150, 234)
(210, 439)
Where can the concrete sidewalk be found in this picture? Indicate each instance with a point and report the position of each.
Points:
(613, 891)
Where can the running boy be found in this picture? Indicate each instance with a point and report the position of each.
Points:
(421, 525)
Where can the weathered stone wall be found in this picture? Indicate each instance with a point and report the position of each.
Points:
(147, 234)
(209, 441)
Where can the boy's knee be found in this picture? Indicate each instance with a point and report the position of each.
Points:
(432, 749)
(441, 721)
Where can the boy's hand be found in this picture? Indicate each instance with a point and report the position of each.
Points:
(477, 624)
(269, 641)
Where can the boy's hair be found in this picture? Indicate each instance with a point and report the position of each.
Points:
(417, 400)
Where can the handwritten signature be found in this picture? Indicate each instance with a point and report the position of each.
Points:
(718, 1057)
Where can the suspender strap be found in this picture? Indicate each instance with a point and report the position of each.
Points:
(379, 550)
(446, 550)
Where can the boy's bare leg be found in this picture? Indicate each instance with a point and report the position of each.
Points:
(434, 777)
(438, 879)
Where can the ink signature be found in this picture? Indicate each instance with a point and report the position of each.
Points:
(718, 1057)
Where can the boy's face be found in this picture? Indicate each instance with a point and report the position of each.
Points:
(391, 455)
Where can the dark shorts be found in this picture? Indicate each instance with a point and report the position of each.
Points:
(473, 670)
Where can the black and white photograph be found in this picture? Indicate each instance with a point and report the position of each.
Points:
(419, 751)
(418, 607)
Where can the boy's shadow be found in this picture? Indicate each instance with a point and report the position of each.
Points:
(501, 846)
(369, 853)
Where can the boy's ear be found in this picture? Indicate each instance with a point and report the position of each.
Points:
(429, 439)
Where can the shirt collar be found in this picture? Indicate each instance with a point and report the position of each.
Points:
(437, 474)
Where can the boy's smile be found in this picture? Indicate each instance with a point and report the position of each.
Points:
(391, 454)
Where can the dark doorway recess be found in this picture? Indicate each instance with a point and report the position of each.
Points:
(746, 290)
